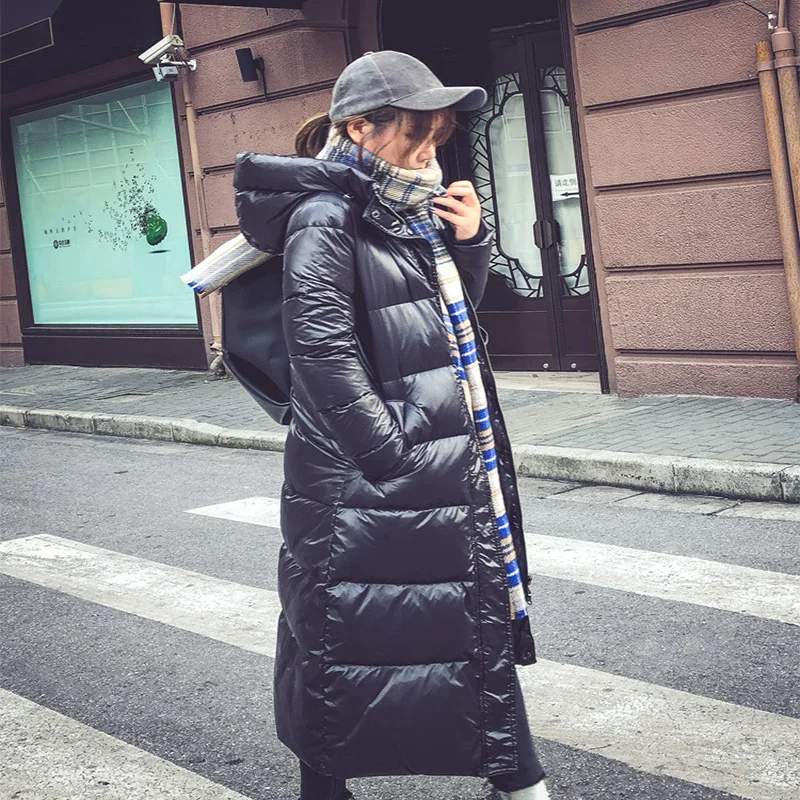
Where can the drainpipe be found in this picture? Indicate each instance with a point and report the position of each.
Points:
(168, 12)
(782, 184)
(786, 64)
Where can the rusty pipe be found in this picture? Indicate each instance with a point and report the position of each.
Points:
(783, 46)
(168, 15)
(781, 180)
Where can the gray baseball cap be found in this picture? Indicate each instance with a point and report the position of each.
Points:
(389, 78)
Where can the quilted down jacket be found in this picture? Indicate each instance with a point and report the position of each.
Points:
(396, 649)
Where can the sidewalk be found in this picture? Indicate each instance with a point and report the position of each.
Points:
(737, 447)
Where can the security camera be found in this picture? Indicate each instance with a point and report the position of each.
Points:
(166, 58)
(168, 46)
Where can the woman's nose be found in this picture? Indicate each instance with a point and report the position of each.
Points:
(427, 153)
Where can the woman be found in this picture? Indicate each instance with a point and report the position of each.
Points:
(400, 576)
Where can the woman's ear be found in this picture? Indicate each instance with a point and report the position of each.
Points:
(358, 129)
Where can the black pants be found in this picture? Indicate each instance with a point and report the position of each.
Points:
(529, 770)
(314, 786)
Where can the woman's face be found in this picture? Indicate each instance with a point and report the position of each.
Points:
(394, 143)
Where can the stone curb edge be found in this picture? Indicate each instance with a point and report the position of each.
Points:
(743, 480)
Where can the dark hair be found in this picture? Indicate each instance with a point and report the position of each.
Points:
(417, 126)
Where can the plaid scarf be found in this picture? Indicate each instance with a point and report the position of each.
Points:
(409, 192)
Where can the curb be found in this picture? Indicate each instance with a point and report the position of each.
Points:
(135, 426)
(742, 480)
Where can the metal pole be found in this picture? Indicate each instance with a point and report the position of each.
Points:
(781, 180)
(168, 12)
(786, 67)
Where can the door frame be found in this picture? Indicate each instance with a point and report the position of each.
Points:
(565, 23)
(543, 197)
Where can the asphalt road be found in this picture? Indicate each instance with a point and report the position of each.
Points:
(646, 620)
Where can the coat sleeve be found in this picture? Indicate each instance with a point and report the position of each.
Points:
(328, 375)
(472, 261)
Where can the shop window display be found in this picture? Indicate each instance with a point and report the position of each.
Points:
(103, 210)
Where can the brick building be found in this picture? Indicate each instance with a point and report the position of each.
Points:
(621, 158)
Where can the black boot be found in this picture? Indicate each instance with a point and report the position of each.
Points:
(314, 786)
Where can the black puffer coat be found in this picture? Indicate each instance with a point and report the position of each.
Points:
(396, 650)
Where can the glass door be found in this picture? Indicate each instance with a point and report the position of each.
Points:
(537, 309)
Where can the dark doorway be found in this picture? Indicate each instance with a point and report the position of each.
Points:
(519, 150)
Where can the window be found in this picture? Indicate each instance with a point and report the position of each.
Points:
(103, 211)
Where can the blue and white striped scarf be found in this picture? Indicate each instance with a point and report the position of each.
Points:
(409, 193)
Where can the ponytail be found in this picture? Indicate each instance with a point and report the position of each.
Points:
(312, 136)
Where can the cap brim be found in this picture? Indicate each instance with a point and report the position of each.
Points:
(462, 98)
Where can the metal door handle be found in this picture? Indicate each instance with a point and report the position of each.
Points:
(543, 234)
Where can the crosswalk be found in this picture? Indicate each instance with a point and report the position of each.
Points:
(725, 747)
(48, 756)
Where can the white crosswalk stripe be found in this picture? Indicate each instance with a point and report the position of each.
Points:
(229, 612)
(729, 587)
(720, 745)
(47, 756)
(256, 510)
(713, 584)
(731, 748)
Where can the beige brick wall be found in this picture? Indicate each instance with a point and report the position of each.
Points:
(684, 230)
(304, 52)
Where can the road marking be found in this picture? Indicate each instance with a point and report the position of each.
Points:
(47, 756)
(264, 511)
(730, 748)
(244, 616)
(736, 749)
(714, 584)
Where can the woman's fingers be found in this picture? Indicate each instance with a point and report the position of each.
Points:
(450, 202)
(466, 191)
(461, 208)
(448, 215)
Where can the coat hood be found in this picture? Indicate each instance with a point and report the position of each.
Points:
(268, 188)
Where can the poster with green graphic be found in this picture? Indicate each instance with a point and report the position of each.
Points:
(103, 210)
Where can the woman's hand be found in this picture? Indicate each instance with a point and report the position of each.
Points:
(461, 208)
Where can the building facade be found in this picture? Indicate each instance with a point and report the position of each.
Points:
(621, 160)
